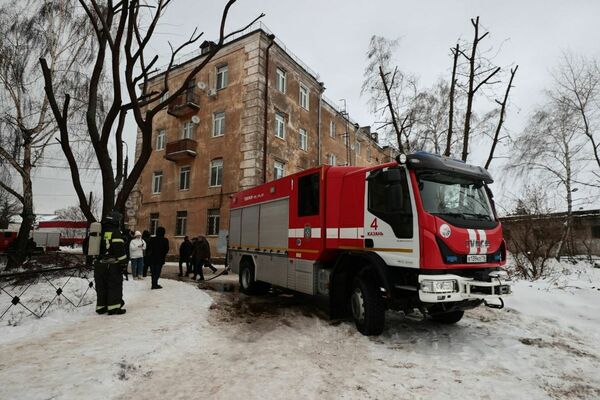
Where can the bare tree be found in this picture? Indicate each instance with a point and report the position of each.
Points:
(29, 30)
(480, 72)
(577, 86)
(455, 53)
(123, 32)
(550, 149)
(9, 205)
(392, 93)
(502, 104)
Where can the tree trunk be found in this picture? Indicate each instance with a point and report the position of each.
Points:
(20, 245)
(451, 111)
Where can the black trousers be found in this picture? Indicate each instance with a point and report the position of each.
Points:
(109, 285)
(146, 266)
(188, 265)
(156, 270)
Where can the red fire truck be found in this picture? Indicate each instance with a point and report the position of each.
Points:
(421, 232)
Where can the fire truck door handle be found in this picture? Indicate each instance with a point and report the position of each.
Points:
(369, 243)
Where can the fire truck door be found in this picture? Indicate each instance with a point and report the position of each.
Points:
(391, 223)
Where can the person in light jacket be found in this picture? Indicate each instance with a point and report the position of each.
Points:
(137, 246)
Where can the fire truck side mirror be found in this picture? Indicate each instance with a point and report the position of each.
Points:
(95, 239)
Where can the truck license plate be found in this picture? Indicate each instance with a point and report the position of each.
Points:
(476, 258)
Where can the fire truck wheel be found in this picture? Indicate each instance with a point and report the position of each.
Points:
(451, 317)
(247, 283)
(368, 308)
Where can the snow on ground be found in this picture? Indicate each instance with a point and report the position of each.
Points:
(184, 342)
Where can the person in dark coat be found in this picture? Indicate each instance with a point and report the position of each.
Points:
(158, 249)
(146, 237)
(127, 236)
(201, 255)
(185, 255)
(108, 267)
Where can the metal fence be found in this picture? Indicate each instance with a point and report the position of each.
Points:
(14, 286)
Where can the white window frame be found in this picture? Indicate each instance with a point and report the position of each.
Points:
(357, 147)
(218, 124)
(278, 170)
(187, 132)
(182, 170)
(303, 139)
(369, 154)
(164, 97)
(157, 177)
(217, 164)
(280, 125)
(332, 129)
(304, 99)
(215, 215)
(161, 135)
(222, 77)
(154, 223)
(331, 160)
(183, 223)
(281, 80)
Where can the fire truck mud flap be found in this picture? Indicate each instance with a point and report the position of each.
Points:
(454, 288)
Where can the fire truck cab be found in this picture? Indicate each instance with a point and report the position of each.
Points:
(421, 232)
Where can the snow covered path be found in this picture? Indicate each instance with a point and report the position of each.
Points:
(182, 342)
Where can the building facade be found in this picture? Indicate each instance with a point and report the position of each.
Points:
(253, 114)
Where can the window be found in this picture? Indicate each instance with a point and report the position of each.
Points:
(304, 99)
(181, 223)
(188, 130)
(160, 139)
(164, 97)
(596, 232)
(332, 129)
(278, 170)
(331, 159)
(357, 147)
(303, 139)
(190, 94)
(389, 200)
(281, 80)
(153, 223)
(308, 195)
(157, 182)
(222, 77)
(213, 219)
(216, 172)
(218, 124)
(184, 178)
(280, 125)
(368, 154)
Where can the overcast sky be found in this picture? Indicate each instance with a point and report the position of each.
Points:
(332, 38)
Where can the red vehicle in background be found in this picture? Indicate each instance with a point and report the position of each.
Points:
(71, 232)
(421, 233)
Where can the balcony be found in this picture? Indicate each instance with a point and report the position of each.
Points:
(181, 150)
(186, 104)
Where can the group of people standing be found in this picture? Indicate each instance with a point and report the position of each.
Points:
(146, 251)
(195, 254)
(118, 246)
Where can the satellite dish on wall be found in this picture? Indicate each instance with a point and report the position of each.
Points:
(201, 85)
(196, 119)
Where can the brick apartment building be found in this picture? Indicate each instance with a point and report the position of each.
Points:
(253, 114)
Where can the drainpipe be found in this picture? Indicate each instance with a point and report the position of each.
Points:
(319, 123)
(271, 37)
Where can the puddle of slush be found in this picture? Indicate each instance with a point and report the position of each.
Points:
(219, 287)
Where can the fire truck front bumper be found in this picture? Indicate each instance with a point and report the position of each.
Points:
(455, 288)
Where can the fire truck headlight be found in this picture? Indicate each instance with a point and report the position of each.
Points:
(445, 286)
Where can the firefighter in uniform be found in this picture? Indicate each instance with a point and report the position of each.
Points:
(108, 267)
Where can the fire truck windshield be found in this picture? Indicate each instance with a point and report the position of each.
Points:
(462, 202)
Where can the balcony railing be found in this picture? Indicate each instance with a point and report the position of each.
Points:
(181, 149)
(185, 104)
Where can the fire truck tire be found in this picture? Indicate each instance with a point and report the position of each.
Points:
(367, 306)
(451, 317)
(248, 285)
